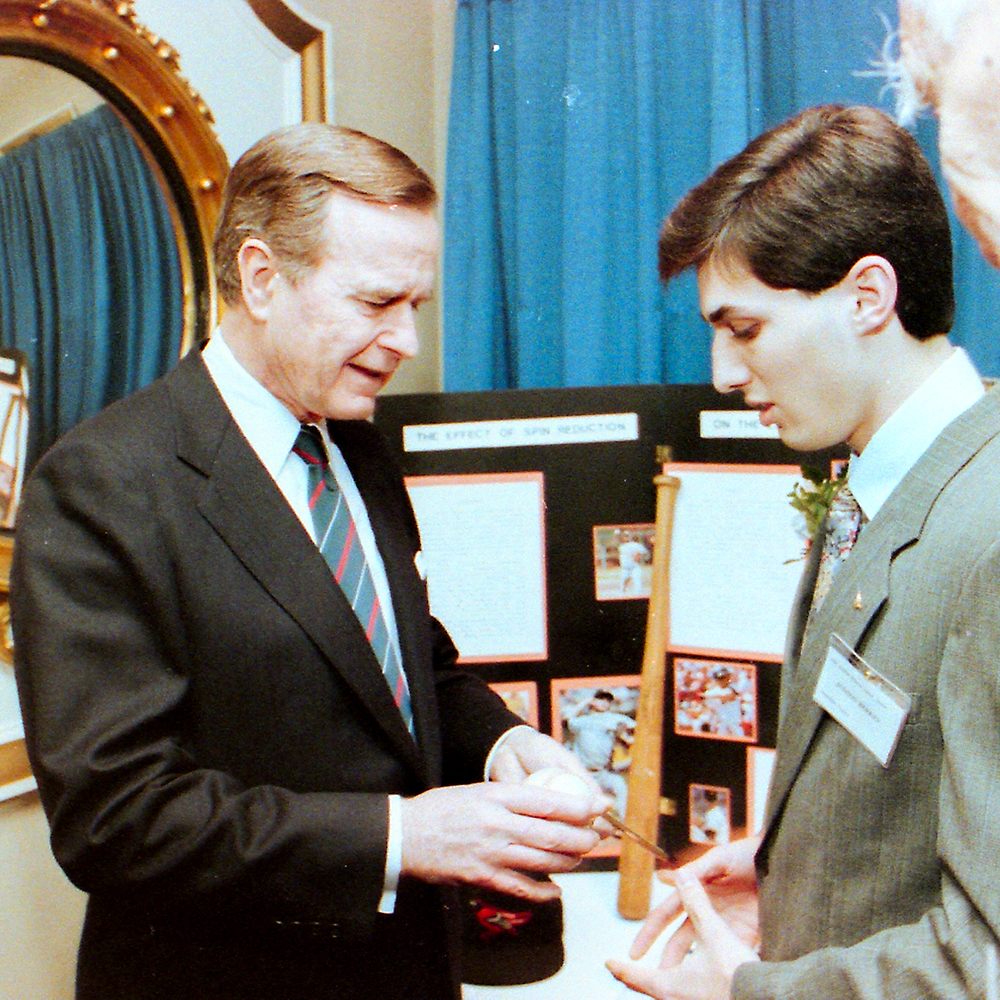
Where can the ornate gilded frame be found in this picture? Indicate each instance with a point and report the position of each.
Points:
(103, 43)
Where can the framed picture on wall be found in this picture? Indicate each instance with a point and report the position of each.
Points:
(13, 431)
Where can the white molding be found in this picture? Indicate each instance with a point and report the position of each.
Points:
(251, 81)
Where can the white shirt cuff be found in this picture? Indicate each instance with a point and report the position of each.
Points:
(393, 857)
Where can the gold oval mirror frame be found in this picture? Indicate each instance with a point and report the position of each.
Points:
(103, 43)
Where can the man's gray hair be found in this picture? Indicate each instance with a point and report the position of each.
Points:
(941, 15)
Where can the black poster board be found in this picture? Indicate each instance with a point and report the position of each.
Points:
(600, 484)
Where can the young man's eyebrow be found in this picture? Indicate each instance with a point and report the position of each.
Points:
(717, 315)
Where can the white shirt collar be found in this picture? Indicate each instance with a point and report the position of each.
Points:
(897, 445)
(271, 429)
(267, 424)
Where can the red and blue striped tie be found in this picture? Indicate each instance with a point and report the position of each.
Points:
(337, 537)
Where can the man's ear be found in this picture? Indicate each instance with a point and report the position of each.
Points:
(259, 271)
(874, 288)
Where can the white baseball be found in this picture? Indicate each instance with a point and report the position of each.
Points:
(559, 780)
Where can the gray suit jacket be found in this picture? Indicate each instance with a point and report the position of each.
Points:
(882, 882)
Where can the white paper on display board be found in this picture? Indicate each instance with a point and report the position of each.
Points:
(736, 558)
(483, 539)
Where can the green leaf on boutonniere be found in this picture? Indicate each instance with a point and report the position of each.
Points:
(814, 501)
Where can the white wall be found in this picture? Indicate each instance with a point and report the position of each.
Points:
(41, 912)
(39, 92)
(247, 77)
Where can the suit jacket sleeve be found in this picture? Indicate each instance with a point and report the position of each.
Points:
(944, 954)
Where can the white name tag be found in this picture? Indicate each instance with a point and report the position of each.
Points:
(869, 706)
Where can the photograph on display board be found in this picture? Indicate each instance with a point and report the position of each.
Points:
(709, 817)
(521, 697)
(715, 699)
(623, 561)
(595, 718)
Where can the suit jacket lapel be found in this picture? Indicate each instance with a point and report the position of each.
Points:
(861, 586)
(248, 511)
(799, 615)
(838, 615)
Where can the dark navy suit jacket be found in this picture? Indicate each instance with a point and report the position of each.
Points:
(213, 738)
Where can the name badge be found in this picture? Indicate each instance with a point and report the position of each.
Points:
(869, 706)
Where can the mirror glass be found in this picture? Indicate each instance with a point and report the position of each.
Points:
(91, 285)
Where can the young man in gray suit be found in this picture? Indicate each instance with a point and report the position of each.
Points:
(824, 270)
(254, 810)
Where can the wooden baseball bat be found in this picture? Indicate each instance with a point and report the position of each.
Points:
(642, 808)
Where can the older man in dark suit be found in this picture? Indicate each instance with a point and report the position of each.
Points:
(250, 736)
(824, 270)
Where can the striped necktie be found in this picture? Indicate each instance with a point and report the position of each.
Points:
(337, 538)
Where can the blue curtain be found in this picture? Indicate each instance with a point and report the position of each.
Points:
(577, 124)
(90, 279)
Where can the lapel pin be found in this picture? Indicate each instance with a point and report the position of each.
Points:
(858, 604)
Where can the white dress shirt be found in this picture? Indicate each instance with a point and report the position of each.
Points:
(897, 445)
(271, 429)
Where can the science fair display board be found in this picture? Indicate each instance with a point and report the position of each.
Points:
(537, 509)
